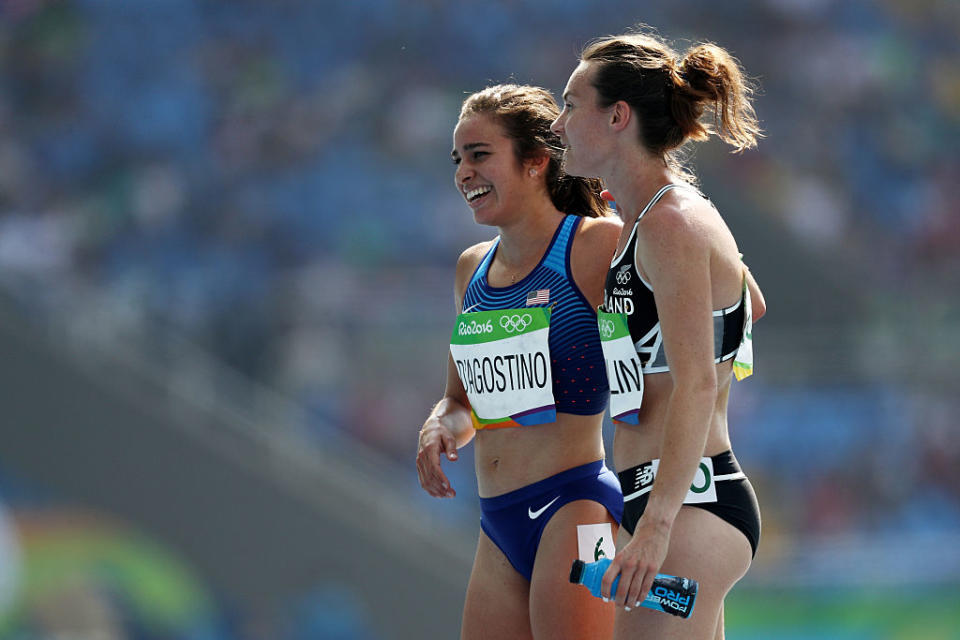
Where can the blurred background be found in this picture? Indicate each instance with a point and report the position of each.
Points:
(227, 239)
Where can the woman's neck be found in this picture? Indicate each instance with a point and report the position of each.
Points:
(524, 241)
(633, 180)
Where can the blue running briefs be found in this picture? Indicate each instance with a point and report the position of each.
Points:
(516, 520)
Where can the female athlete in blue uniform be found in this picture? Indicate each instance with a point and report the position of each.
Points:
(676, 319)
(526, 376)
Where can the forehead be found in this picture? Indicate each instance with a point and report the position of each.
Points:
(477, 127)
(580, 80)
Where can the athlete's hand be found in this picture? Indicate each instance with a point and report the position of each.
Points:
(638, 564)
(436, 441)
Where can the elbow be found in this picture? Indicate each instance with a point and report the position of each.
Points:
(758, 305)
(758, 308)
(456, 402)
(698, 386)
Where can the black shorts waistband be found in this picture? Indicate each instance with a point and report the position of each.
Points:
(724, 464)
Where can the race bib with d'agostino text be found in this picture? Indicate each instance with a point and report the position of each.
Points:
(503, 360)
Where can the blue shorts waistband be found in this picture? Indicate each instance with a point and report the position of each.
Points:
(523, 494)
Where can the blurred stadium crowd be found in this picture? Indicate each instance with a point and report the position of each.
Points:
(270, 182)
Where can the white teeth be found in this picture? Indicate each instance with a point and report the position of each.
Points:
(473, 194)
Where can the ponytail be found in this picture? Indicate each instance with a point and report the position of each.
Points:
(579, 196)
(709, 77)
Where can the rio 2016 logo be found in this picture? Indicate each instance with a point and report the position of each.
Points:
(474, 328)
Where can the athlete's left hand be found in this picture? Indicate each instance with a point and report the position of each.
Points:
(638, 564)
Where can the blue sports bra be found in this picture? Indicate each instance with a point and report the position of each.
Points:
(579, 375)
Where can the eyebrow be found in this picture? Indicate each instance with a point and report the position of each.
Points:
(468, 147)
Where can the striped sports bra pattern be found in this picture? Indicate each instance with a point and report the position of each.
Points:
(579, 377)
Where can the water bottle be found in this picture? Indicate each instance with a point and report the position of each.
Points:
(671, 594)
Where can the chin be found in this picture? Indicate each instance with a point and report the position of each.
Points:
(570, 167)
(485, 218)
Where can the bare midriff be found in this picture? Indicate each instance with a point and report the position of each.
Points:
(510, 458)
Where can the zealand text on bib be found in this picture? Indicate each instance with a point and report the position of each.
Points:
(624, 370)
(503, 360)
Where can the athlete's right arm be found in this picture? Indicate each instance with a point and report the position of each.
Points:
(756, 296)
(449, 425)
(446, 429)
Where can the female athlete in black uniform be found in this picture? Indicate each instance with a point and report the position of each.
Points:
(676, 320)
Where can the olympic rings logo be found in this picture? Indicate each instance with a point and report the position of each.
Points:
(518, 322)
(606, 329)
(623, 276)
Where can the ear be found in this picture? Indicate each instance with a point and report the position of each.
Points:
(620, 115)
(538, 164)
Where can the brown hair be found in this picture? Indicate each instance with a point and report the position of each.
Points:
(526, 113)
(670, 95)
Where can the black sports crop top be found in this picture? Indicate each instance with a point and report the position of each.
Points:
(628, 293)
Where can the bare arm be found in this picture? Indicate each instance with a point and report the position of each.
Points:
(682, 290)
(446, 429)
(756, 296)
(449, 425)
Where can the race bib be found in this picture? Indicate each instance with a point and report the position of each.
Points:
(743, 361)
(503, 360)
(624, 370)
(595, 541)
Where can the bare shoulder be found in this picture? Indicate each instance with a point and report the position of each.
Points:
(596, 242)
(602, 227)
(466, 264)
(680, 220)
(593, 249)
(472, 256)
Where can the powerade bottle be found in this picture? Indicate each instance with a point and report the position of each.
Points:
(671, 594)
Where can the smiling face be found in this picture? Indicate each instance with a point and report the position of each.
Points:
(582, 125)
(489, 176)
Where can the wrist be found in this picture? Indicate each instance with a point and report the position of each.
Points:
(657, 518)
(659, 524)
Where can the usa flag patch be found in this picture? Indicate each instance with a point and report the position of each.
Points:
(540, 296)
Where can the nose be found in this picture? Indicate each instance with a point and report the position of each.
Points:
(557, 127)
(462, 174)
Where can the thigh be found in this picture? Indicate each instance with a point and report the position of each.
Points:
(497, 604)
(707, 549)
(559, 609)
